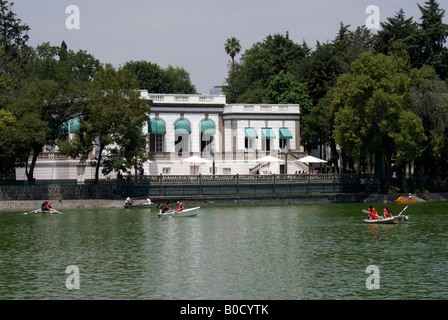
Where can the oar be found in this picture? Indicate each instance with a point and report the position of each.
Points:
(402, 211)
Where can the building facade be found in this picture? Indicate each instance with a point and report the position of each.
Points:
(229, 138)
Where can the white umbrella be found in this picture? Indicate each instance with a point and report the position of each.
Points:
(311, 159)
(270, 159)
(195, 160)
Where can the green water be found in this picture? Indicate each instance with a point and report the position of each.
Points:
(226, 252)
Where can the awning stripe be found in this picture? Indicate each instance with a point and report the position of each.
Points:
(208, 127)
(251, 133)
(182, 127)
(157, 126)
(267, 133)
(285, 134)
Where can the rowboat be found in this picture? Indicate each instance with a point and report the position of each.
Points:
(191, 212)
(406, 200)
(391, 220)
(51, 211)
(139, 205)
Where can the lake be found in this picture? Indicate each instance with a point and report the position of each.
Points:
(288, 252)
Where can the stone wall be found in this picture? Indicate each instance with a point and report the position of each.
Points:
(59, 192)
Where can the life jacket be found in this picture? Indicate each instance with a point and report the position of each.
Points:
(372, 213)
(179, 206)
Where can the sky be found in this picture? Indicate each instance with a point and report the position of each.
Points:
(192, 33)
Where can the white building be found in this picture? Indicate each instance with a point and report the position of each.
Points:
(232, 137)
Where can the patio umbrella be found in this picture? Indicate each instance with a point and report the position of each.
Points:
(310, 159)
(195, 160)
(269, 159)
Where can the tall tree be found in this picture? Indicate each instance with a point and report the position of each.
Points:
(232, 47)
(284, 88)
(248, 80)
(432, 38)
(155, 79)
(111, 124)
(373, 118)
(397, 31)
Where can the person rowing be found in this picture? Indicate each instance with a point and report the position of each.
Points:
(165, 208)
(46, 206)
(373, 214)
(180, 206)
(387, 213)
(128, 201)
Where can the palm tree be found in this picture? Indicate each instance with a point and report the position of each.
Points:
(232, 47)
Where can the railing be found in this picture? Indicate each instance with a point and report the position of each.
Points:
(233, 185)
(243, 178)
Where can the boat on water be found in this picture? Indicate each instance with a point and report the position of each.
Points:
(406, 200)
(191, 212)
(388, 220)
(139, 205)
(391, 220)
(51, 211)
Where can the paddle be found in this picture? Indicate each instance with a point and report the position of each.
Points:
(402, 211)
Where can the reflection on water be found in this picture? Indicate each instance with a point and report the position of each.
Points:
(226, 252)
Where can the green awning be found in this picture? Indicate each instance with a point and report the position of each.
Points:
(182, 127)
(267, 133)
(208, 127)
(251, 133)
(156, 126)
(74, 126)
(63, 129)
(285, 134)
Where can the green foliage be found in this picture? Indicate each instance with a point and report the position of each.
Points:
(155, 79)
(111, 124)
(284, 88)
(248, 80)
(232, 47)
(372, 113)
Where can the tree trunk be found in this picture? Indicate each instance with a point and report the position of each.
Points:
(30, 173)
(98, 164)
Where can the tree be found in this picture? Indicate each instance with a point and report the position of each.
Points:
(284, 88)
(232, 47)
(428, 96)
(248, 80)
(432, 38)
(16, 55)
(397, 30)
(56, 93)
(373, 118)
(111, 124)
(155, 79)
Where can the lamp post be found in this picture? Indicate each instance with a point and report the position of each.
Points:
(286, 159)
(213, 154)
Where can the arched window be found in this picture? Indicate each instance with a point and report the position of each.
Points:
(157, 131)
(182, 131)
(207, 135)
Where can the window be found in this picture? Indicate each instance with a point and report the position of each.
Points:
(267, 136)
(250, 142)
